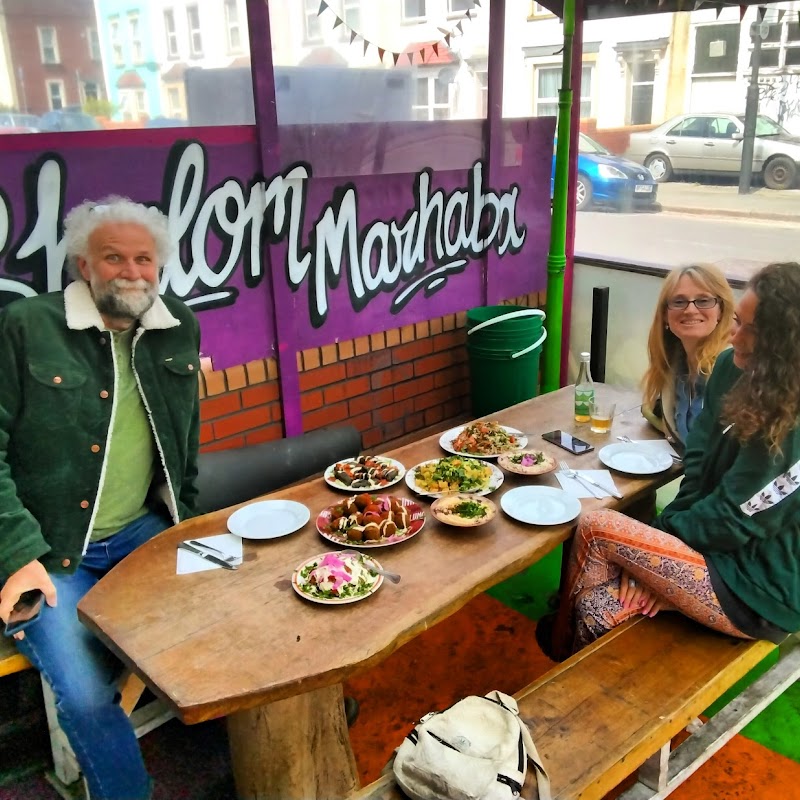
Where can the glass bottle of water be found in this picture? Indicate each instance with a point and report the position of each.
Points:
(584, 390)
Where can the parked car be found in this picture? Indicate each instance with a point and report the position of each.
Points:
(712, 143)
(68, 120)
(17, 122)
(166, 122)
(606, 179)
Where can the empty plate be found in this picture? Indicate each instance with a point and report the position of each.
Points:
(634, 458)
(268, 519)
(540, 505)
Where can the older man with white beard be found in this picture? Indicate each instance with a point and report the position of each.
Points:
(99, 432)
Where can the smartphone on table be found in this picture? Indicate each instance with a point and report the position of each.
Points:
(568, 442)
(25, 612)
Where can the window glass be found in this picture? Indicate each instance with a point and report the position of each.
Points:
(107, 64)
(354, 63)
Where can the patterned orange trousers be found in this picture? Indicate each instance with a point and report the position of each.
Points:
(606, 543)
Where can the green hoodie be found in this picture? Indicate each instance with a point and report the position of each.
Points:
(739, 508)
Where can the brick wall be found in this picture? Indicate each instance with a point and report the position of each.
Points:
(388, 384)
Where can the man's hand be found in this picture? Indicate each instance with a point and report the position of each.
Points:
(633, 595)
(31, 576)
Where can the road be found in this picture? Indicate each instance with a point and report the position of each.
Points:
(739, 246)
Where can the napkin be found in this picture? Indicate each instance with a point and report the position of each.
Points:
(578, 489)
(657, 444)
(229, 544)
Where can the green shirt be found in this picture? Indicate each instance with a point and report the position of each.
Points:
(129, 463)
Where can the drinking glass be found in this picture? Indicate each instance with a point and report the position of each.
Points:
(601, 414)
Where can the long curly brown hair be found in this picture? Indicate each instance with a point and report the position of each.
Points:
(765, 402)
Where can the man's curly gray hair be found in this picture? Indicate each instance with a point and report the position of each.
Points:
(81, 221)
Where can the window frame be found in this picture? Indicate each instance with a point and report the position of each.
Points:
(93, 44)
(431, 106)
(311, 15)
(171, 35)
(459, 12)
(232, 23)
(409, 19)
(192, 32)
(50, 82)
(115, 41)
(40, 29)
(135, 37)
(583, 99)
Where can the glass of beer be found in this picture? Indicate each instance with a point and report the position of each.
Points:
(601, 414)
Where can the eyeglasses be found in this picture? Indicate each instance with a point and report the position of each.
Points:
(700, 303)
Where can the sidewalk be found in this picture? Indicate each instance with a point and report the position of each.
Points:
(684, 197)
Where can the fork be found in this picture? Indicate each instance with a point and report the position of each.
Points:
(573, 473)
(372, 567)
(203, 546)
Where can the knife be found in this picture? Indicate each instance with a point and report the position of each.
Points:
(612, 492)
(207, 556)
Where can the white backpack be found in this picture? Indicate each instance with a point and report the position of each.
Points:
(475, 750)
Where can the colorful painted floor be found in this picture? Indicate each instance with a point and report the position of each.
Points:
(492, 643)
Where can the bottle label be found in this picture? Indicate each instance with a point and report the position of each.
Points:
(583, 401)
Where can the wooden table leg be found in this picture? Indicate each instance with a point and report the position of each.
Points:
(294, 749)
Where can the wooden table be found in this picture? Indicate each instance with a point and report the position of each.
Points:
(243, 645)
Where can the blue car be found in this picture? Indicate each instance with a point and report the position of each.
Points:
(606, 179)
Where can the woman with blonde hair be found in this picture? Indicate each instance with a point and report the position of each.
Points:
(690, 329)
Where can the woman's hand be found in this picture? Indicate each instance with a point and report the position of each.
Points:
(633, 595)
(32, 576)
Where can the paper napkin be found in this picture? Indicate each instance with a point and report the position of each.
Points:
(227, 543)
(578, 489)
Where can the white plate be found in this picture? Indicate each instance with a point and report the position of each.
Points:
(447, 438)
(540, 505)
(298, 583)
(495, 480)
(332, 480)
(268, 519)
(635, 459)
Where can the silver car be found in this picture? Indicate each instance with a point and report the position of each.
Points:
(712, 143)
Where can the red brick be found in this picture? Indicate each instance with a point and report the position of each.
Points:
(361, 421)
(413, 422)
(412, 350)
(434, 398)
(392, 412)
(261, 394)
(452, 339)
(366, 402)
(206, 433)
(459, 405)
(327, 415)
(392, 430)
(219, 406)
(433, 415)
(362, 365)
(371, 438)
(311, 401)
(226, 444)
(275, 412)
(268, 434)
(351, 388)
(389, 377)
(412, 388)
(322, 376)
(446, 377)
(243, 421)
(424, 366)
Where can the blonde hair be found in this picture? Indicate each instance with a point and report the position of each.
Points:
(664, 348)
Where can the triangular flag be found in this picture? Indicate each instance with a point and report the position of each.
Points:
(697, 4)
(447, 39)
(366, 45)
(353, 35)
(435, 48)
(381, 51)
(760, 11)
(459, 28)
(322, 6)
(742, 12)
(338, 22)
(395, 56)
(477, 2)
(719, 9)
(468, 15)
(422, 55)
(781, 12)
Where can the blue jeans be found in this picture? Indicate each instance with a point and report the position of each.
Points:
(82, 673)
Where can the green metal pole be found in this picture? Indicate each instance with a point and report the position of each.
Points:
(556, 257)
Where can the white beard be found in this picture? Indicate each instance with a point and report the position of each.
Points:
(121, 299)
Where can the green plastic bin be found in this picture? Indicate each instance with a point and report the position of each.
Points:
(504, 344)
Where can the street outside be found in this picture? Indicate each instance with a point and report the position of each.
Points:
(698, 223)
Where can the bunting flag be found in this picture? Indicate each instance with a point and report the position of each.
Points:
(760, 11)
(719, 7)
(447, 33)
(742, 12)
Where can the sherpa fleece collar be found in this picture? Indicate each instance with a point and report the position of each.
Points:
(82, 313)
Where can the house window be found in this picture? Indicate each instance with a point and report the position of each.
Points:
(414, 10)
(431, 98)
(351, 14)
(48, 45)
(781, 48)
(540, 11)
(93, 39)
(312, 30)
(135, 38)
(195, 37)
(55, 94)
(174, 102)
(172, 34)
(643, 78)
(232, 26)
(716, 49)
(91, 91)
(116, 42)
(482, 76)
(459, 6)
(548, 81)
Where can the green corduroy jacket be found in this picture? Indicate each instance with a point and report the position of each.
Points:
(57, 381)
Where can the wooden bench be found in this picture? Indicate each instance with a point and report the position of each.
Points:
(614, 707)
(66, 772)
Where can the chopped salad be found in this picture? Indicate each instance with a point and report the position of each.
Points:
(485, 438)
(336, 577)
(453, 474)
